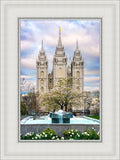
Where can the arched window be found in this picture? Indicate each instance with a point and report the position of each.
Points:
(42, 82)
(42, 89)
(60, 72)
(42, 74)
(78, 74)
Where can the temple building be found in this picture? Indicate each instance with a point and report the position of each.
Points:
(61, 69)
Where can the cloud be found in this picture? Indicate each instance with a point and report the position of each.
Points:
(25, 77)
(91, 72)
(25, 45)
(91, 88)
(28, 63)
(87, 36)
(91, 79)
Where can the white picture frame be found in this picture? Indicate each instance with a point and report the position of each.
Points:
(11, 148)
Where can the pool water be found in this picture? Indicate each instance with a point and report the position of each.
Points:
(47, 120)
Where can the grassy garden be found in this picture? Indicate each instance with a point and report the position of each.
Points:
(94, 116)
(49, 134)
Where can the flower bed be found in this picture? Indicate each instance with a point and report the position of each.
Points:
(49, 134)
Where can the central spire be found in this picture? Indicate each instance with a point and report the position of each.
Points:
(59, 42)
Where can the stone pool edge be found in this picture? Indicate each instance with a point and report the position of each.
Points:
(58, 128)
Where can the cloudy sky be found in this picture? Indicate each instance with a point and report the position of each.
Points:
(87, 32)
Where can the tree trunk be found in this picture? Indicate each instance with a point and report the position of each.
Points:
(62, 107)
(66, 108)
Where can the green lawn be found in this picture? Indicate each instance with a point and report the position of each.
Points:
(94, 116)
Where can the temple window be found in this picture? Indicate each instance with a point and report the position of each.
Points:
(60, 72)
(42, 74)
(42, 82)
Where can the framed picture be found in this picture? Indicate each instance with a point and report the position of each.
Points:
(60, 88)
(60, 80)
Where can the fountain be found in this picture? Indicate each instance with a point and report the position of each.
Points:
(61, 117)
(58, 121)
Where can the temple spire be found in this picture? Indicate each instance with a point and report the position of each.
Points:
(59, 42)
(42, 46)
(76, 44)
(42, 52)
(77, 51)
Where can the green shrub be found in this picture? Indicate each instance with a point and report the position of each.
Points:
(77, 135)
(28, 136)
(91, 134)
(72, 134)
(49, 134)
